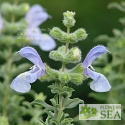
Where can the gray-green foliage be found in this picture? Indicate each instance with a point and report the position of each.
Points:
(60, 88)
(14, 107)
(114, 66)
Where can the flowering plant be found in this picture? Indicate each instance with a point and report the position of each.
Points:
(62, 77)
(15, 20)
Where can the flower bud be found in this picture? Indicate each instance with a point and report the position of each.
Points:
(62, 49)
(64, 77)
(76, 78)
(74, 55)
(72, 38)
(59, 34)
(69, 20)
(80, 34)
(23, 8)
(55, 55)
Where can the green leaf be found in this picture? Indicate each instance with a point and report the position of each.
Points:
(71, 103)
(68, 90)
(54, 101)
(44, 104)
(66, 121)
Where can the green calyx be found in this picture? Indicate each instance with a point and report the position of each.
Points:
(72, 56)
(63, 37)
(74, 75)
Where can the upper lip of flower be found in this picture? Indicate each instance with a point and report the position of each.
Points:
(99, 83)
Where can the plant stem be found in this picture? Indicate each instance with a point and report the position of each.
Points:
(61, 96)
(67, 46)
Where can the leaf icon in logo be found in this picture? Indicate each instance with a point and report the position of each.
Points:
(85, 110)
(94, 110)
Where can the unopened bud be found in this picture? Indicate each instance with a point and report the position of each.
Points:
(76, 78)
(74, 55)
(55, 55)
(69, 20)
(59, 34)
(23, 8)
(64, 77)
(80, 34)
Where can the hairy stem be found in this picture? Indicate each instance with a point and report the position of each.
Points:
(67, 46)
(61, 96)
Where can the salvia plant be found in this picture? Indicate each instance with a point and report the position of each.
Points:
(62, 78)
(19, 26)
(113, 65)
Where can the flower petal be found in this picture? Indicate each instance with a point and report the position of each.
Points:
(93, 54)
(36, 16)
(1, 23)
(101, 85)
(47, 43)
(21, 84)
(34, 35)
(32, 55)
(91, 74)
(36, 72)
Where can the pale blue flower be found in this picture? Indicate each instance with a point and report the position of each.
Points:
(1, 23)
(44, 41)
(22, 82)
(47, 43)
(100, 82)
(36, 16)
